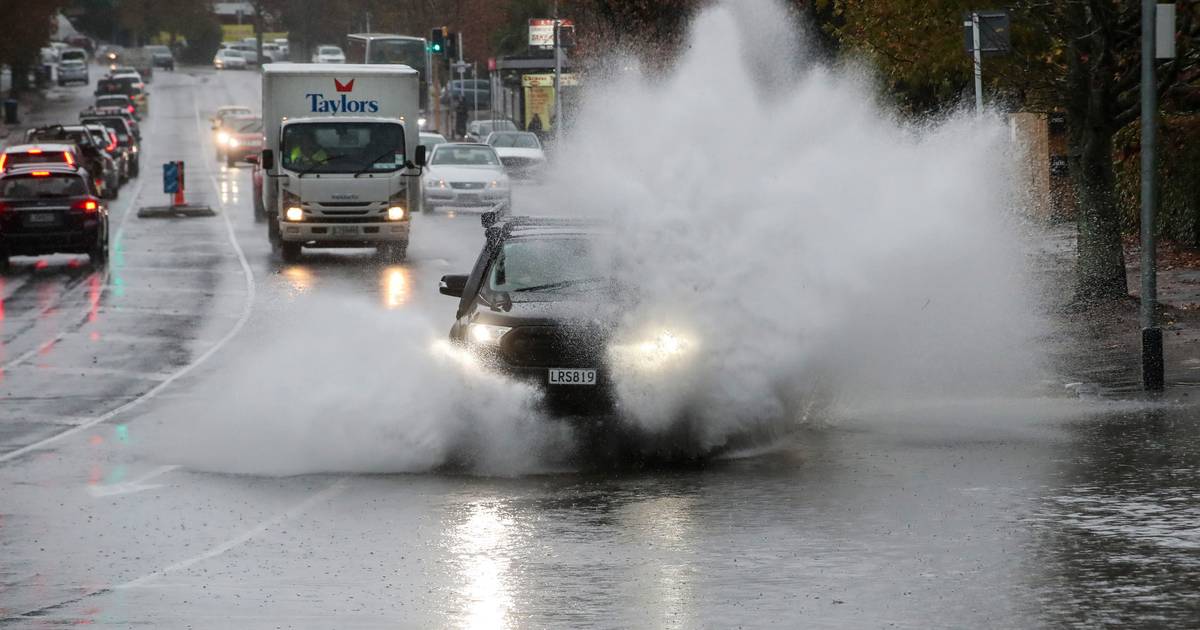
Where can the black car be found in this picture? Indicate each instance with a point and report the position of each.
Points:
(50, 209)
(538, 308)
(127, 140)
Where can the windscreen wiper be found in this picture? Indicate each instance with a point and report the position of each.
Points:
(319, 164)
(371, 164)
(560, 285)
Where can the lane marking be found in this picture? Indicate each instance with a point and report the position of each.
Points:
(247, 308)
(133, 485)
(288, 514)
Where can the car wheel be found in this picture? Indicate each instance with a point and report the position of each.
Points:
(393, 252)
(98, 254)
(133, 170)
(290, 251)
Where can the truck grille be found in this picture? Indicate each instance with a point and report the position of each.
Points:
(467, 185)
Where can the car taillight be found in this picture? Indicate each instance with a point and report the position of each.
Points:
(68, 158)
(41, 173)
(35, 152)
(130, 108)
(87, 205)
(112, 141)
(3, 160)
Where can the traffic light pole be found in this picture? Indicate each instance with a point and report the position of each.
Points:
(557, 78)
(1152, 338)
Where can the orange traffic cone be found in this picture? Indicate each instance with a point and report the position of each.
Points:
(179, 197)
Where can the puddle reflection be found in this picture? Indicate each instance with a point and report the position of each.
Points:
(396, 286)
(482, 541)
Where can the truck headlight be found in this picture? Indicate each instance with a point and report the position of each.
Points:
(233, 143)
(294, 214)
(396, 213)
(487, 334)
(222, 137)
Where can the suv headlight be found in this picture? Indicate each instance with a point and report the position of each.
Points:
(486, 334)
(434, 182)
(499, 184)
(652, 352)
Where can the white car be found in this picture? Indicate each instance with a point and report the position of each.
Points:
(328, 54)
(465, 175)
(229, 59)
(250, 53)
(478, 130)
(430, 139)
(520, 152)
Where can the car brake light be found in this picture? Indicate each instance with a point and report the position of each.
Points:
(112, 141)
(68, 159)
(3, 160)
(87, 205)
(41, 173)
(130, 108)
(35, 152)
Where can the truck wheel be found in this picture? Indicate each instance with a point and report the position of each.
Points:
(273, 233)
(290, 251)
(394, 252)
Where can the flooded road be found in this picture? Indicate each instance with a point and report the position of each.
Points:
(1044, 512)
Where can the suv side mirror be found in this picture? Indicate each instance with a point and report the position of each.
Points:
(489, 218)
(268, 159)
(420, 158)
(453, 285)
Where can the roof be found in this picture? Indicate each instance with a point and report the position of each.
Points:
(336, 69)
(53, 167)
(52, 147)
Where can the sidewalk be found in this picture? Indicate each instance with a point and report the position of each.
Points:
(1100, 346)
(54, 105)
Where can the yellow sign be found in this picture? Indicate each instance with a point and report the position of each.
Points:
(547, 80)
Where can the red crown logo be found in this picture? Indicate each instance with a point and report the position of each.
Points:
(344, 87)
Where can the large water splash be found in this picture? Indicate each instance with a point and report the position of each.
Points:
(810, 242)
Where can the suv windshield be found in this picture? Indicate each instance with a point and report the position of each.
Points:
(338, 147)
(30, 187)
(516, 140)
(465, 156)
(540, 265)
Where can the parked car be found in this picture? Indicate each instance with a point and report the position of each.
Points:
(328, 54)
(229, 59)
(249, 52)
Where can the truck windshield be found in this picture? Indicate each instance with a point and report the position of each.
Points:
(337, 147)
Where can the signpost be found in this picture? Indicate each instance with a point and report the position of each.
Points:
(985, 33)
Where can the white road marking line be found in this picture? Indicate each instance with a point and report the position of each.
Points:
(133, 485)
(242, 538)
(185, 370)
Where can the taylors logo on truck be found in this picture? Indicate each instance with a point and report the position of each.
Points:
(344, 104)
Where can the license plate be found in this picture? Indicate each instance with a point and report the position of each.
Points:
(562, 376)
(345, 230)
(41, 218)
(469, 198)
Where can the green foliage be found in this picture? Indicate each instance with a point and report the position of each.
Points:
(1179, 178)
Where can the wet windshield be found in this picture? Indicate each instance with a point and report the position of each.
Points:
(465, 155)
(343, 147)
(539, 265)
(523, 140)
(42, 187)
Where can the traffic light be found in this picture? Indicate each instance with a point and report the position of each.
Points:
(437, 40)
(452, 45)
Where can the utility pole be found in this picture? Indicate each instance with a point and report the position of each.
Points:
(557, 78)
(978, 49)
(1152, 338)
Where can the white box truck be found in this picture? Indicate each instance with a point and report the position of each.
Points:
(342, 158)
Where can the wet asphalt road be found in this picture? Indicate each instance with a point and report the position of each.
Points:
(1026, 513)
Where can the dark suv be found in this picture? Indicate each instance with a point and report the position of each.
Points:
(127, 139)
(49, 209)
(538, 308)
(94, 158)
